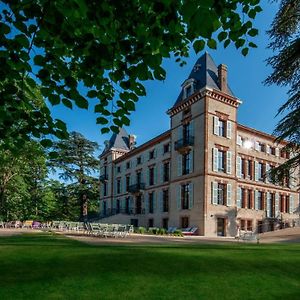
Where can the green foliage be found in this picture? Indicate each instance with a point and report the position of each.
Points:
(76, 162)
(109, 48)
(178, 232)
(141, 230)
(285, 42)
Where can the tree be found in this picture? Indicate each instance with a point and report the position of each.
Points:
(76, 162)
(285, 41)
(76, 50)
(22, 178)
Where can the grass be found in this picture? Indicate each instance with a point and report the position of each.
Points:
(46, 266)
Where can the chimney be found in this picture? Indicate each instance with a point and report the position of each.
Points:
(132, 141)
(222, 76)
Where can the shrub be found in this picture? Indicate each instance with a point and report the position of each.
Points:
(178, 232)
(162, 231)
(153, 230)
(141, 230)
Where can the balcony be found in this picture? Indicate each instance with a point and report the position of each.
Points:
(184, 145)
(136, 188)
(104, 178)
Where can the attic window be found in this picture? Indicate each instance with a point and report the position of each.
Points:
(188, 88)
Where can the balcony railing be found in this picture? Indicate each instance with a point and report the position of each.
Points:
(126, 211)
(104, 178)
(184, 144)
(136, 188)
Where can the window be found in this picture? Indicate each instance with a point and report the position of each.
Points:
(272, 150)
(260, 200)
(246, 225)
(244, 202)
(138, 177)
(165, 200)
(105, 189)
(250, 168)
(261, 171)
(222, 128)
(165, 223)
(139, 160)
(118, 169)
(221, 196)
(244, 167)
(166, 148)
(186, 131)
(151, 154)
(118, 185)
(150, 223)
(127, 182)
(284, 204)
(188, 91)
(184, 222)
(221, 161)
(127, 209)
(250, 199)
(166, 175)
(151, 203)
(118, 206)
(128, 165)
(151, 176)
(185, 190)
(261, 147)
(105, 170)
(186, 161)
(287, 204)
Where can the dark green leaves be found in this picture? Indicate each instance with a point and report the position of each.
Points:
(81, 53)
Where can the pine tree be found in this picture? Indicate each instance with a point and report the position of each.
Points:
(285, 42)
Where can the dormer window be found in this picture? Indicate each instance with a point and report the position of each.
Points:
(188, 88)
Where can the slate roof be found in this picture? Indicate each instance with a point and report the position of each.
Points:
(118, 141)
(205, 73)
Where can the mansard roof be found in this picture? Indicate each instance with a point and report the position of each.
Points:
(203, 74)
(118, 141)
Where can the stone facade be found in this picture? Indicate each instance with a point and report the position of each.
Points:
(207, 171)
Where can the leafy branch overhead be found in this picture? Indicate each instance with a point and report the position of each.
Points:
(77, 50)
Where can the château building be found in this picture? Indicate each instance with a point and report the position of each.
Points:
(207, 171)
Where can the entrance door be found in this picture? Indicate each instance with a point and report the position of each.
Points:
(220, 227)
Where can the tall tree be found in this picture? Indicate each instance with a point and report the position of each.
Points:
(285, 41)
(107, 47)
(76, 162)
(21, 178)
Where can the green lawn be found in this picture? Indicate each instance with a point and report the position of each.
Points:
(44, 266)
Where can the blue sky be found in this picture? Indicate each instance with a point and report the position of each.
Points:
(245, 77)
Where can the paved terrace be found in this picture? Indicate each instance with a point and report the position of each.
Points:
(289, 235)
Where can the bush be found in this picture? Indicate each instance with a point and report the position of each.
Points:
(162, 231)
(177, 232)
(153, 230)
(141, 230)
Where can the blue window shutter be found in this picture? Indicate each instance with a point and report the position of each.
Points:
(238, 197)
(179, 165)
(148, 177)
(146, 203)
(162, 173)
(216, 125)
(179, 197)
(161, 204)
(229, 194)
(238, 166)
(277, 212)
(256, 170)
(215, 160)
(155, 175)
(228, 162)
(214, 193)
(191, 166)
(268, 205)
(256, 200)
(229, 129)
(179, 132)
(191, 195)
(192, 128)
